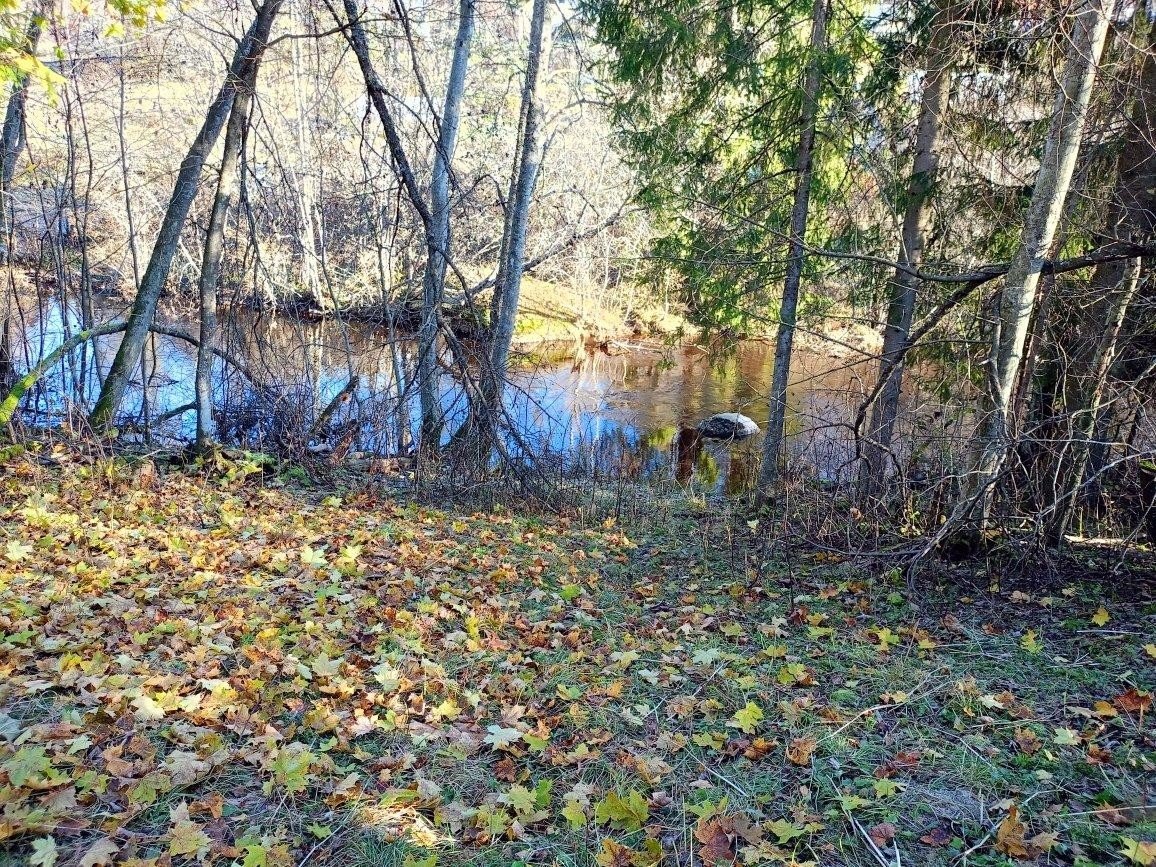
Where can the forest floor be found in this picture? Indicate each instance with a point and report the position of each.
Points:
(222, 669)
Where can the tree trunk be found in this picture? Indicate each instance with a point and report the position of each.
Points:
(1131, 217)
(228, 184)
(433, 283)
(796, 252)
(512, 254)
(14, 135)
(905, 282)
(1043, 216)
(148, 294)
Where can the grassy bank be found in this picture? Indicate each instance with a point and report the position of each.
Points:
(211, 669)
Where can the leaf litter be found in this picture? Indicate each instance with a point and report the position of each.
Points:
(204, 670)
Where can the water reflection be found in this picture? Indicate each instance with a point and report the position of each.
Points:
(631, 412)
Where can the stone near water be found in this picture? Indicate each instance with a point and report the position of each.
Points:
(728, 425)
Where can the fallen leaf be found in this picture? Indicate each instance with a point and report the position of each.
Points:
(1142, 852)
(937, 837)
(716, 836)
(800, 750)
(882, 834)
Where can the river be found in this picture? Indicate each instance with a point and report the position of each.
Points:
(615, 410)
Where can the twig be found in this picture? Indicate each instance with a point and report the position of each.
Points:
(883, 860)
(962, 858)
(715, 773)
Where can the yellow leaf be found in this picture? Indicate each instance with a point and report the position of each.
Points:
(147, 708)
(1139, 851)
(1031, 642)
(1101, 617)
(187, 838)
(748, 718)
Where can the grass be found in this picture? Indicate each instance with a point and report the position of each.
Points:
(205, 668)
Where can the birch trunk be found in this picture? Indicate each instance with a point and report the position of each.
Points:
(156, 273)
(512, 255)
(228, 184)
(905, 282)
(1019, 293)
(1131, 217)
(433, 282)
(796, 252)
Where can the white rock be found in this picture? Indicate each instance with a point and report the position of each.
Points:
(728, 425)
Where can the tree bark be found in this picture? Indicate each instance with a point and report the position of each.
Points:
(511, 257)
(14, 135)
(796, 252)
(1019, 294)
(1131, 217)
(905, 282)
(156, 273)
(433, 282)
(228, 184)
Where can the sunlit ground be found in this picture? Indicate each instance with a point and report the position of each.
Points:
(220, 670)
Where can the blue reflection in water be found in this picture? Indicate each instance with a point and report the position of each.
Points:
(617, 414)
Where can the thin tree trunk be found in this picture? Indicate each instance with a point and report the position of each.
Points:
(164, 249)
(228, 184)
(14, 135)
(905, 282)
(1019, 293)
(1131, 216)
(512, 256)
(359, 44)
(433, 283)
(796, 252)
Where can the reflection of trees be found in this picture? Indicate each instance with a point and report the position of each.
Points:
(610, 414)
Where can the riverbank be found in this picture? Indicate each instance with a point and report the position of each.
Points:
(205, 668)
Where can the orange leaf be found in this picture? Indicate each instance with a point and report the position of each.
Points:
(800, 750)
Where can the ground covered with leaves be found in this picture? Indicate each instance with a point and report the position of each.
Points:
(218, 669)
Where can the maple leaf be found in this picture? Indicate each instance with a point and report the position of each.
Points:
(103, 851)
(148, 709)
(1101, 617)
(501, 738)
(882, 834)
(748, 718)
(1138, 851)
(574, 813)
(1150, 649)
(715, 835)
(800, 750)
(1133, 700)
(521, 799)
(937, 837)
(188, 838)
(43, 852)
(887, 639)
(1031, 642)
(28, 764)
(886, 788)
(1009, 838)
(614, 854)
(624, 812)
(17, 551)
(313, 558)
(785, 830)
(290, 767)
